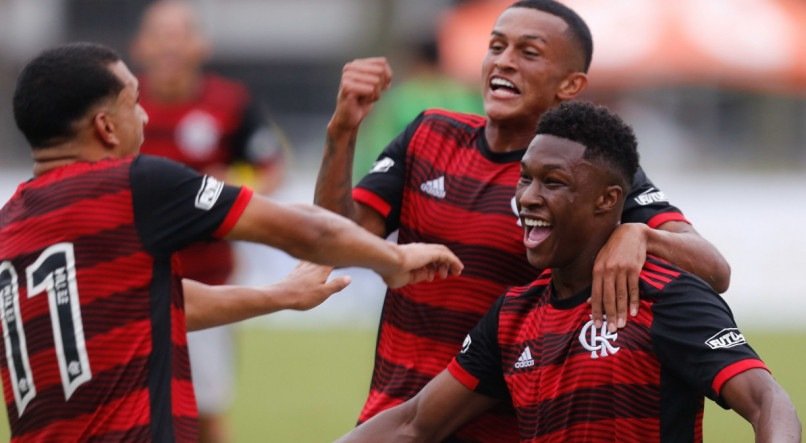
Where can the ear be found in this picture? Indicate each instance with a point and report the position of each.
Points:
(609, 200)
(105, 129)
(572, 86)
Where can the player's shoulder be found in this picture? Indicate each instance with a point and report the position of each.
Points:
(522, 299)
(437, 114)
(157, 167)
(537, 285)
(660, 278)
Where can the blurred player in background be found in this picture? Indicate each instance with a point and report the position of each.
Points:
(213, 125)
(425, 86)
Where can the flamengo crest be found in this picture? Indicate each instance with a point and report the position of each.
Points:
(598, 340)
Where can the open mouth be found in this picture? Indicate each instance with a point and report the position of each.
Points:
(535, 231)
(502, 86)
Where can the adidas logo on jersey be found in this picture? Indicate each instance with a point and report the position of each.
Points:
(525, 360)
(435, 187)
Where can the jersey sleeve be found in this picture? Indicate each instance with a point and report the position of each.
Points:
(174, 205)
(477, 366)
(258, 140)
(696, 337)
(647, 204)
(382, 188)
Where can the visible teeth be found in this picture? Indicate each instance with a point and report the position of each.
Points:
(501, 82)
(536, 223)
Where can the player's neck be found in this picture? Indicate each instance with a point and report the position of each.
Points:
(63, 154)
(503, 137)
(576, 275)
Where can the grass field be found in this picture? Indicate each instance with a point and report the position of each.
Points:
(307, 386)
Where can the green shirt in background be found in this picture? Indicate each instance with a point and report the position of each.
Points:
(400, 105)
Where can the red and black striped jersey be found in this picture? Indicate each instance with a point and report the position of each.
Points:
(220, 126)
(571, 381)
(438, 181)
(93, 314)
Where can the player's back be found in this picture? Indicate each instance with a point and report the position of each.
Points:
(91, 335)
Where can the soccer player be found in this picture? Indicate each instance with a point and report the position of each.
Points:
(213, 125)
(538, 349)
(93, 322)
(450, 178)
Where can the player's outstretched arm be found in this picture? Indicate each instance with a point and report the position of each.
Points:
(362, 83)
(311, 233)
(619, 262)
(305, 287)
(439, 409)
(757, 397)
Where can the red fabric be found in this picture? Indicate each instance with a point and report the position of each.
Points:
(462, 376)
(87, 208)
(662, 218)
(733, 370)
(372, 200)
(234, 213)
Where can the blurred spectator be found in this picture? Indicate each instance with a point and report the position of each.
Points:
(213, 125)
(426, 86)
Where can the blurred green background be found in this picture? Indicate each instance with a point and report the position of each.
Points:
(308, 385)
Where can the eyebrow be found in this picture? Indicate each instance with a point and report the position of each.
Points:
(495, 33)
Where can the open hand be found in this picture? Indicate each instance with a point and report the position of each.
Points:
(307, 286)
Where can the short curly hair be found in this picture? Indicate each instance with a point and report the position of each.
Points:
(59, 86)
(606, 137)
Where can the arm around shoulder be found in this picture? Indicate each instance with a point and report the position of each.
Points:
(679, 243)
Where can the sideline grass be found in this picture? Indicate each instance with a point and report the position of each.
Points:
(308, 386)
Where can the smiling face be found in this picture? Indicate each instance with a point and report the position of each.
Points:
(559, 197)
(530, 60)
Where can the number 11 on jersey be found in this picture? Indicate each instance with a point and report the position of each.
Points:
(53, 272)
